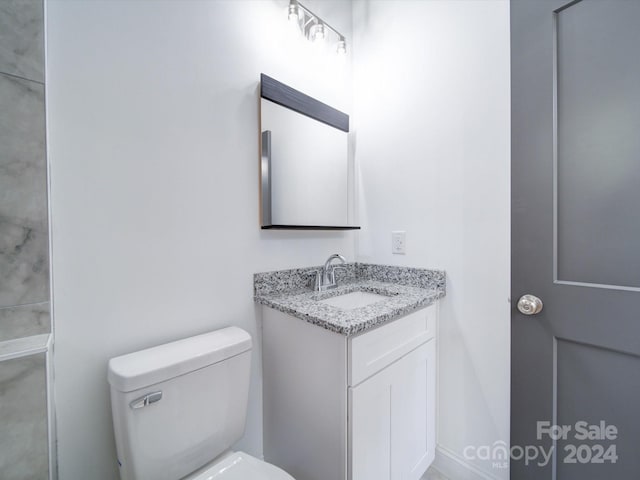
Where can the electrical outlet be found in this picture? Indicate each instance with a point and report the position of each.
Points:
(399, 242)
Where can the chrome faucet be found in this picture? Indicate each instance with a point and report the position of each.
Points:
(326, 278)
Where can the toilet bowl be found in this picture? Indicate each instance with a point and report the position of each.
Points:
(240, 466)
(179, 407)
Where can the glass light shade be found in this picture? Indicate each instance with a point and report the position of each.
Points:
(318, 33)
(294, 15)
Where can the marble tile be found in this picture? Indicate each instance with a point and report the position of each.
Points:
(24, 321)
(23, 165)
(22, 38)
(24, 262)
(23, 416)
(24, 267)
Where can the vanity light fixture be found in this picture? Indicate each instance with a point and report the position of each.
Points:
(313, 27)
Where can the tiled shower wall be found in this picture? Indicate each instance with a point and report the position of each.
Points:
(25, 324)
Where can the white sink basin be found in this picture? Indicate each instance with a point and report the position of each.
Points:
(352, 300)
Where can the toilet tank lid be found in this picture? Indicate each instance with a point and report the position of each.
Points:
(154, 365)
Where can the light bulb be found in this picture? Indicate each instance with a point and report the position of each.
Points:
(341, 47)
(318, 32)
(294, 15)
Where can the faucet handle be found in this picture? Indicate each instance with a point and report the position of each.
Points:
(317, 279)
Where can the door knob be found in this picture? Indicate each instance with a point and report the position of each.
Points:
(529, 305)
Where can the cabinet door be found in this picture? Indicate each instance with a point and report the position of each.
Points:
(392, 419)
(414, 409)
(370, 425)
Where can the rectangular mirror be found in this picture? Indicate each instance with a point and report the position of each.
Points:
(304, 161)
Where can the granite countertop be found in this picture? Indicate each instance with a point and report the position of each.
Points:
(407, 289)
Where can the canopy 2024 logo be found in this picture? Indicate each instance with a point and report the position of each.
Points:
(578, 451)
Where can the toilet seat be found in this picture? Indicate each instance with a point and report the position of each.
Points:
(240, 466)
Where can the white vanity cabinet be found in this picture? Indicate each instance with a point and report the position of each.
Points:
(350, 408)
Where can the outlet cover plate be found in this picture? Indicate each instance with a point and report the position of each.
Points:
(399, 242)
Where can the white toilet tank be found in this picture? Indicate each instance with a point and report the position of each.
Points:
(178, 406)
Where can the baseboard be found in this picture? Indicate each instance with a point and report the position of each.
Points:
(454, 467)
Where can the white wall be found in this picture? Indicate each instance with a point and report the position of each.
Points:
(153, 147)
(431, 111)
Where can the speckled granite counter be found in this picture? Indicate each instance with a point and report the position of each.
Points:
(407, 289)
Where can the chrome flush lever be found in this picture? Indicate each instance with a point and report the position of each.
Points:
(146, 400)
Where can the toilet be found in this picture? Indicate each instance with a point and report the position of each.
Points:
(179, 407)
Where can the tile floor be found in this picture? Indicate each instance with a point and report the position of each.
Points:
(433, 474)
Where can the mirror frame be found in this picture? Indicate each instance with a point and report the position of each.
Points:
(281, 94)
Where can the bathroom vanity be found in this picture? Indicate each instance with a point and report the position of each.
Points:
(349, 373)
